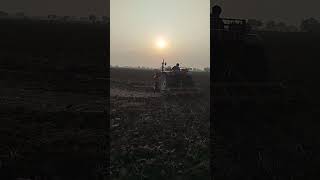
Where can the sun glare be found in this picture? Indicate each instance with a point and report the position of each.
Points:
(161, 43)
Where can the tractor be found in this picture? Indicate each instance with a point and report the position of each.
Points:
(239, 64)
(174, 82)
(238, 52)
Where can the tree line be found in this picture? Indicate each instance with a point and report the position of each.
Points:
(306, 25)
(53, 17)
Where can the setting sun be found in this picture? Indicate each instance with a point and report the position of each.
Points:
(161, 43)
(143, 32)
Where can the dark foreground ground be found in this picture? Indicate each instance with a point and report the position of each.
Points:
(53, 100)
(153, 137)
(273, 141)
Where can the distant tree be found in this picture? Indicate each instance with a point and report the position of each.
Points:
(105, 19)
(206, 69)
(292, 28)
(92, 18)
(20, 14)
(52, 16)
(83, 18)
(309, 25)
(255, 24)
(72, 18)
(270, 25)
(196, 69)
(65, 18)
(2, 13)
(281, 26)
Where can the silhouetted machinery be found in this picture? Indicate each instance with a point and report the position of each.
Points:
(238, 62)
(237, 52)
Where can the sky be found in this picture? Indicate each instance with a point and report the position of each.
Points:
(145, 31)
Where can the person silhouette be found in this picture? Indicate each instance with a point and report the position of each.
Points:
(217, 21)
(176, 67)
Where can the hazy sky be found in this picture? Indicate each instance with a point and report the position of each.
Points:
(138, 27)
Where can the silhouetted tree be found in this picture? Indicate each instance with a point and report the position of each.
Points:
(309, 25)
(105, 19)
(65, 18)
(20, 14)
(2, 13)
(255, 24)
(52, 16)
(206, 69)
(281, 26)
(92, 18)
(83, 18)
(196, 69)
(270, 25)
(292, 28)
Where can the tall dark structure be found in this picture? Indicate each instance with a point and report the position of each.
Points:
(237, 54)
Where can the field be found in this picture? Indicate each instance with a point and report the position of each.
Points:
(153, 137)
(272, 141)
(53, 100)
(54, 106)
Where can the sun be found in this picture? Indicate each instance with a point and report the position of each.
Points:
(161, 43)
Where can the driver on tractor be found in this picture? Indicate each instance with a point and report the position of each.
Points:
(176, 68)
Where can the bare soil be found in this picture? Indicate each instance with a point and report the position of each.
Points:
(154, 137)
